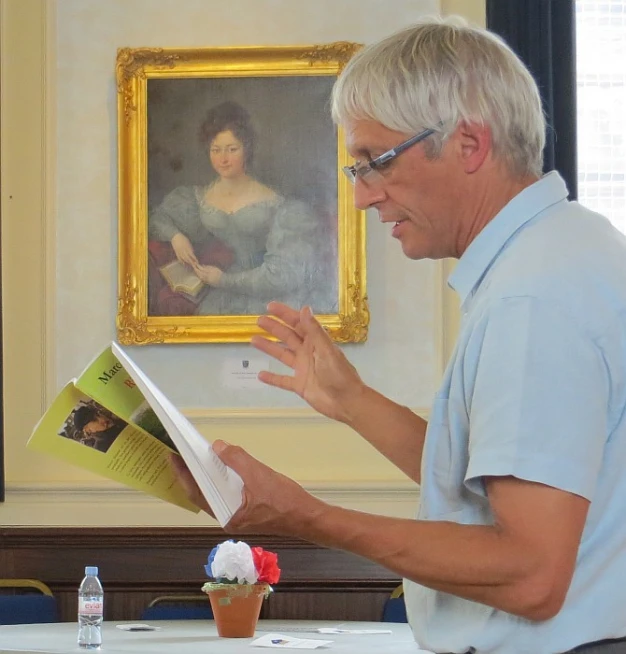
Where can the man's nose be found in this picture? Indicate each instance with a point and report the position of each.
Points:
(366, 196)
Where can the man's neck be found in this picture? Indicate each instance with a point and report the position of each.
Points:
(493, 197)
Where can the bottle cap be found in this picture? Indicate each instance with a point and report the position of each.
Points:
(91, 571)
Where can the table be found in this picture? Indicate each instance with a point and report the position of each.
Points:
(200, 637)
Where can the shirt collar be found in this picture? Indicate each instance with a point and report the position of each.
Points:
(482, 251)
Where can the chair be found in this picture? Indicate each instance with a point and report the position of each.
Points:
(178, 607)
(395, 608)
(24, 606)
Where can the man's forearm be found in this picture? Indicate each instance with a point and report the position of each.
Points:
(394, 430)
(475, 562)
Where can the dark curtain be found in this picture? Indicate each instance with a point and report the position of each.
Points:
(543, 34)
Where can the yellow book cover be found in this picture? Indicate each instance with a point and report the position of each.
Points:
(106, 381)
(115, 422)
(81, 431)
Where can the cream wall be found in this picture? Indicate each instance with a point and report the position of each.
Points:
(58, 241)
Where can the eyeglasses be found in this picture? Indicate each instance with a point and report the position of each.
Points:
(365, 170)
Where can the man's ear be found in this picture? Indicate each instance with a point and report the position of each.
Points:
(474, 143)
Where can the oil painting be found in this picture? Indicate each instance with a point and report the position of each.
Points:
(231, 194)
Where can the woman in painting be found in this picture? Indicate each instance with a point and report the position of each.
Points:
(273, 240)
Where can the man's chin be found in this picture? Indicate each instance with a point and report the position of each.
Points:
(411, 251)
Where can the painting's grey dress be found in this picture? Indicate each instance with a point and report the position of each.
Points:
(274, 242)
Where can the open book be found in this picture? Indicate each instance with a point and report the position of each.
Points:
(115, 422)
(181, 278)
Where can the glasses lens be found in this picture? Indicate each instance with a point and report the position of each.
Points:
(350, 172)
(364, 172)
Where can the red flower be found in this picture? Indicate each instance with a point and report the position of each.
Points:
(266, 564)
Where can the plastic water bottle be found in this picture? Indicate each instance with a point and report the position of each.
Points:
(90, 610)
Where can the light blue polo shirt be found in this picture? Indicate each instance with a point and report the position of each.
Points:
(536, 388)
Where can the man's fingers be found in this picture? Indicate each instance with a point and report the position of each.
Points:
(286, 382)
(177, 463)
(283, 312)
(292, 330)
(185, 477)
(279, 331)
(275, 350)
(301, 322)
(219, 446)
(233, 456)
(310, 326)
(188, 483)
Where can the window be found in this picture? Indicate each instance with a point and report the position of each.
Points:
(601, 99)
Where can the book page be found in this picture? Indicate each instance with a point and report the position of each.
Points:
(220, 485)
(181, 278)
(81, 431)
(106, 381)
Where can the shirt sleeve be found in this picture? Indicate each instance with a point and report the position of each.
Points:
(538, 401)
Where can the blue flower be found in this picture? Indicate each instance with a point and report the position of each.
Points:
(207, 567)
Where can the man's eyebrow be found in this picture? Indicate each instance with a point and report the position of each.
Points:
(361, 149)
(366, 154)
(358, 152)
(371, 151)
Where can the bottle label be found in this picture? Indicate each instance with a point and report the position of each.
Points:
(90, 606)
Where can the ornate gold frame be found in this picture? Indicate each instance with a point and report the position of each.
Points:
(134, 68)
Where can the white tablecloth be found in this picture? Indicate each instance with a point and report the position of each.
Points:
(200, 637)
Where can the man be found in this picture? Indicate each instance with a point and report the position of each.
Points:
(520, 541)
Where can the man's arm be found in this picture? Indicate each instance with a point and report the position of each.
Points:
(522, 564)
(324, 378)
(394, 430)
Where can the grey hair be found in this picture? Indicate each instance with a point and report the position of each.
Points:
(438, 73)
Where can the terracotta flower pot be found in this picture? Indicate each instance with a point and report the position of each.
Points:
(236, 608)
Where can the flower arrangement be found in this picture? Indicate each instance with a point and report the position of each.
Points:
(235, 564)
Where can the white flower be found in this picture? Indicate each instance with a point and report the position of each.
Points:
(234, 561)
